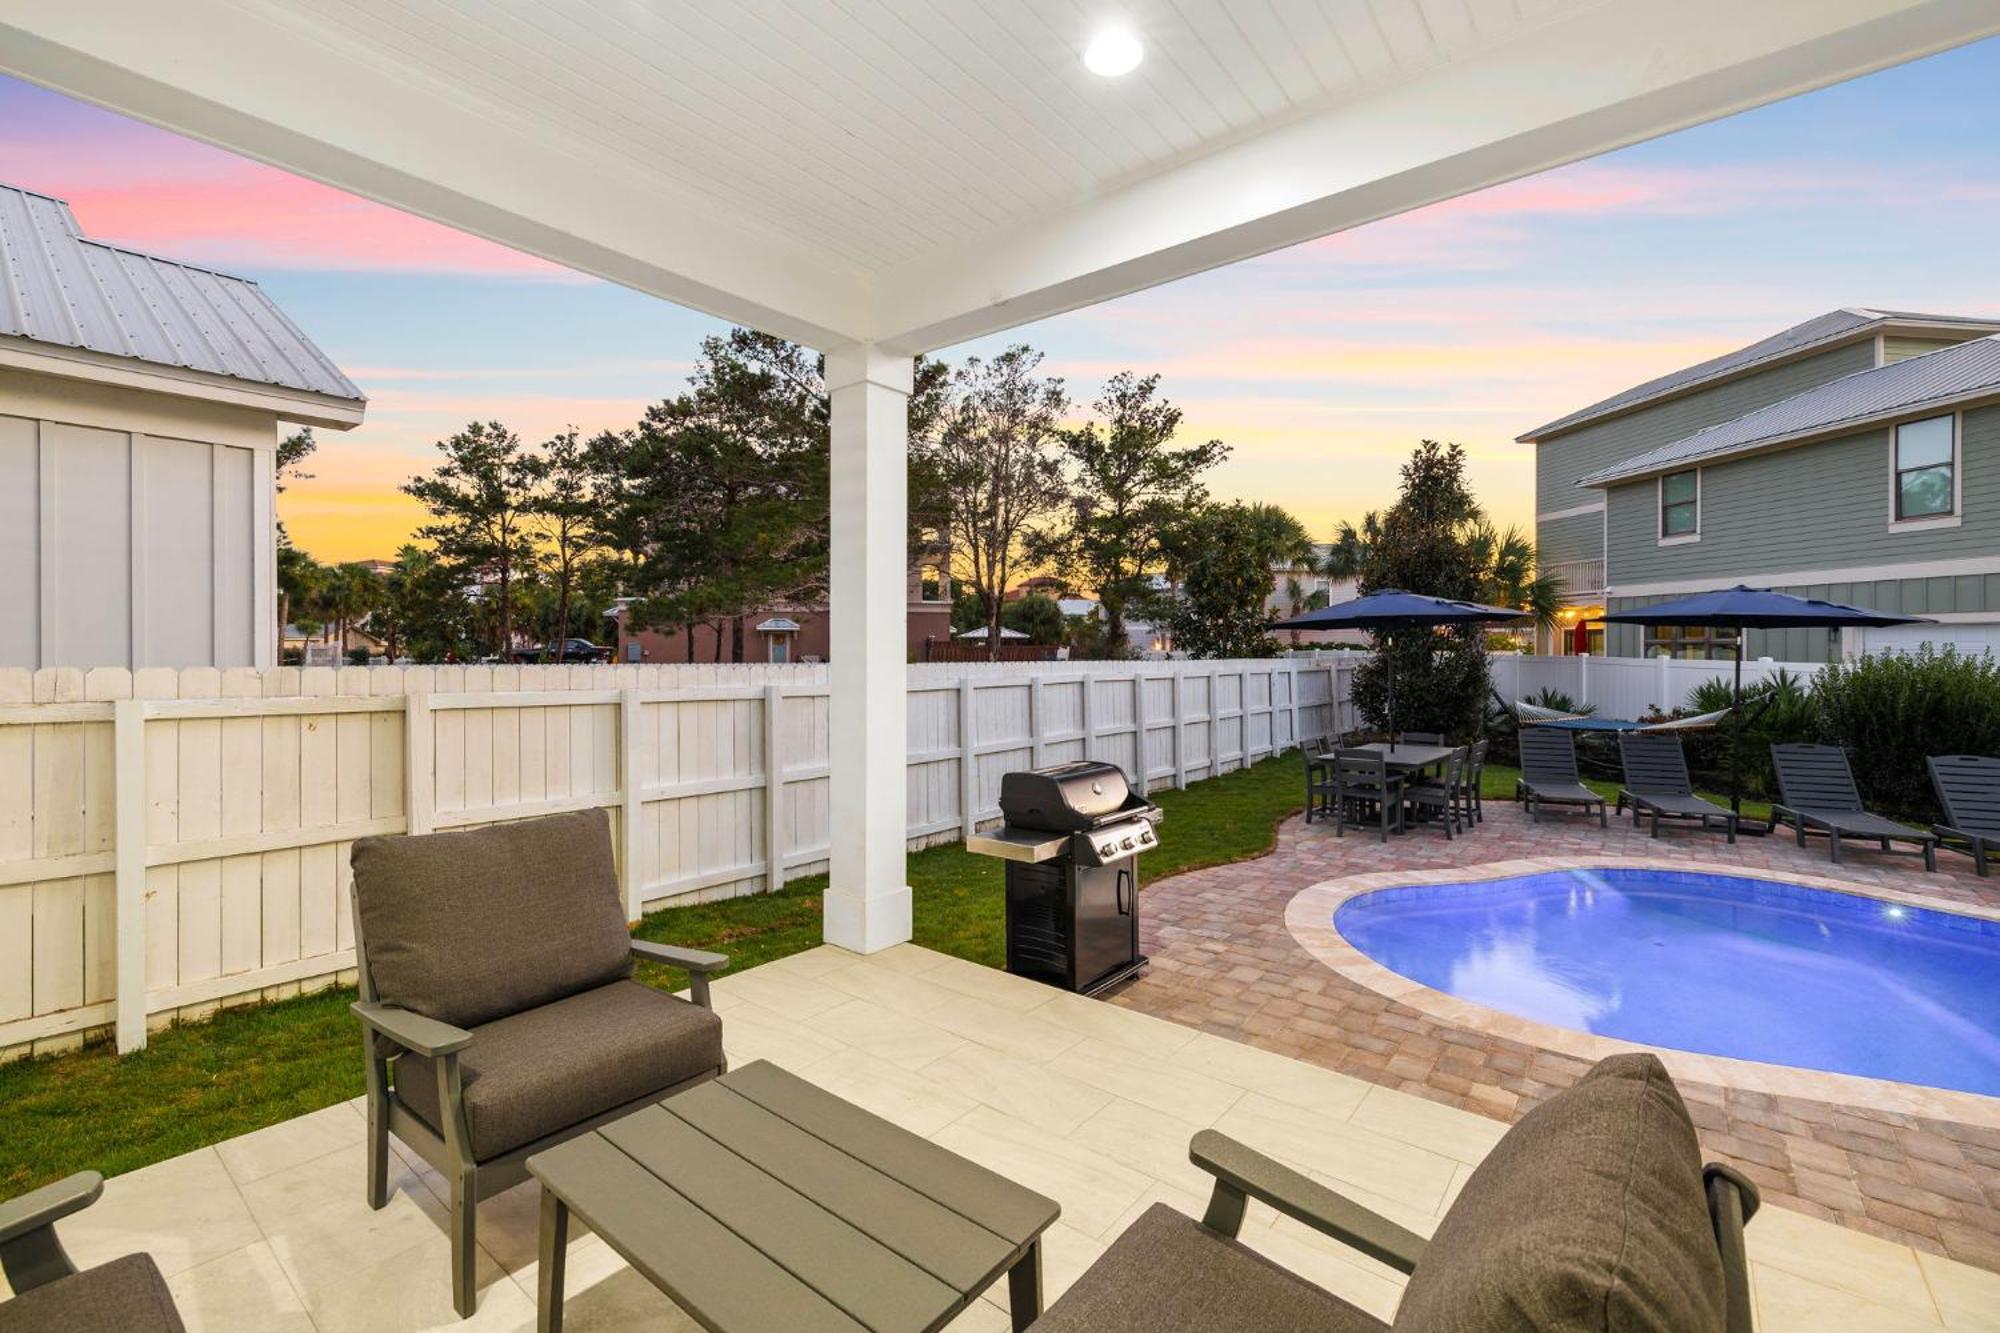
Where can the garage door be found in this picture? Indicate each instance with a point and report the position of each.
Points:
(1971, 639)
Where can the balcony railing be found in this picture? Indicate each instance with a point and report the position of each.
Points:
(1581, 579)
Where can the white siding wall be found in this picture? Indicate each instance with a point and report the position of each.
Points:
(129, 548)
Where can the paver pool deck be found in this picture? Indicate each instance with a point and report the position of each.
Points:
(1226, 962)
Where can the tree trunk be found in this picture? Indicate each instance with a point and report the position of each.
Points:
(716, 626)
(736, 640)
(506, 614)
(562, 616)
(993, 605)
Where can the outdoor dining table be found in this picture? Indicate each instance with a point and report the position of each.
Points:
(1409, 758)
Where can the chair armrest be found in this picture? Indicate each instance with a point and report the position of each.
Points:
(1241, 1171)
(688, 960)
(49, 1204)
(411, 1030)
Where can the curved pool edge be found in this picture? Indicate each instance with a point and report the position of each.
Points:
(1309, 917)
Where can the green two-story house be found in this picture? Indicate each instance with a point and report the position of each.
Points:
(1855, 456)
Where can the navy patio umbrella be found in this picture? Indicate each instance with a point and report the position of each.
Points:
(1742, 608)
(1392, 609)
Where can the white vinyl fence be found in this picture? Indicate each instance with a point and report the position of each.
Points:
(1627, 687)
(174, 840)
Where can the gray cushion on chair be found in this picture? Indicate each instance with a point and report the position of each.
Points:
(1167, 1271)
(470, 927)
(1589, 1214)
(549, 1069)
(127, 1295)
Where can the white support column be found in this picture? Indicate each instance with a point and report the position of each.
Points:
(867, 902)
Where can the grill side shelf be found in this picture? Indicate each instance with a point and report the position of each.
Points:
(1030, 845)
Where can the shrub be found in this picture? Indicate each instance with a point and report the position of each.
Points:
(1441, 683)
(1891, 710)
(1777, 710)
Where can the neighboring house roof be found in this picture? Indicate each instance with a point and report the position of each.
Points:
(1077, 606)
(1836, 326)
(980, 633)
(1950, 375)
(58, 286)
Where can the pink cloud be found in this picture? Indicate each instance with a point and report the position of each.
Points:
(132, 184)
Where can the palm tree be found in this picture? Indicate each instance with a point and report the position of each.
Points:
(1352, 547)
(1509, 573)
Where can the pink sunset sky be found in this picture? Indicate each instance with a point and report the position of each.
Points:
(1473, 320)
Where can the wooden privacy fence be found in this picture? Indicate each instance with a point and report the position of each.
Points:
(175, 840)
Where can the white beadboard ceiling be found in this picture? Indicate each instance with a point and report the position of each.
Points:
(919, 171)
(882, 131)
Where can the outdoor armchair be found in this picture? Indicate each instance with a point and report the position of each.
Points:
(1657, 783)
(1968, 788)
(1549, 775)
(1444, 793)
(1365, 785)
(1816, 791)
(51, 1295)
(1318, 761)
(499, 1010)
(1592, 1213)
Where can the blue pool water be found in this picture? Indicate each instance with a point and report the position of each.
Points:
(1720, 964)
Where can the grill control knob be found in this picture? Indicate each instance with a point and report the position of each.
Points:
(1105, 849)
(1127, 844)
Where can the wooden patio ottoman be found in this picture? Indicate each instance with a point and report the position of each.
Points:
(758, 1201)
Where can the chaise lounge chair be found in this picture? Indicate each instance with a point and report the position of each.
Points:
(1549, 775)
(1656, 783)
(1968, 787)
(500, 1013)
(50, 1295)
(1816, 791)
(1593, 1213)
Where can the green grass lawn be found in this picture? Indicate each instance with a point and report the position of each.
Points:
(247, 1068)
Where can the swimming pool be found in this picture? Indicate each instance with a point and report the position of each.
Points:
(1720, 964)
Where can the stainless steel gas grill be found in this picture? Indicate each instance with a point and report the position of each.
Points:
(1071, 842)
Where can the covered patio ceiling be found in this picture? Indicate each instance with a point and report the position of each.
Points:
(912, 173)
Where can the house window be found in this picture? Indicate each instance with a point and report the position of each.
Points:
(1695, 642)
(1680, 505)
(935, 587)
(1926, 461)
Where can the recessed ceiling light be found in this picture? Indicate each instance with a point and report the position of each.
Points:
(1114, 49)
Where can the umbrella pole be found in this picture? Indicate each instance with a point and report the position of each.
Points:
(1736, 735)
(1389, 662)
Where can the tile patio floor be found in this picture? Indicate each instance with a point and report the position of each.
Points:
(1225, 962)
(1090, 1103)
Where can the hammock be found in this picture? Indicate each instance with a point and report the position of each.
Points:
(1534, 715)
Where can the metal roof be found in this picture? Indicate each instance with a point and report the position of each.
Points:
(58, 286)
(1835, 326)
(1951, 374)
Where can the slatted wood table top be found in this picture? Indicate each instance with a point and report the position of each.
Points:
(760, 1201)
